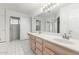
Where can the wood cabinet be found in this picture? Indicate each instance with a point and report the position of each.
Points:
(57, 49)
(33, 43)
(43, 47)
(39, 46)
(47, 50)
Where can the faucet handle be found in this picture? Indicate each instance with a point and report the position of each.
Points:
(64, 35)
(70, 32)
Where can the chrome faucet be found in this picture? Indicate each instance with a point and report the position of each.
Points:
(66, 36)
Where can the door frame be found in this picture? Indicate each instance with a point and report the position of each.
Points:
(18, 18)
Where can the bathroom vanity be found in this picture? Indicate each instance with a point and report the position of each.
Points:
(42, 44)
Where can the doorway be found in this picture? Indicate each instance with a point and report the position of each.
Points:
(58, 25)
(14, 28)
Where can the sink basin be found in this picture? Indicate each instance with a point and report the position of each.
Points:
(65, 41)
(58, 38)
(48, 36)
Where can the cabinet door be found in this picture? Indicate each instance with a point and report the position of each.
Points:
(38, 52)
(39, 46)
(33, 43)
(47, 50)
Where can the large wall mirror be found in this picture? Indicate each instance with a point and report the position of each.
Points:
(50, 22)
(64, 19)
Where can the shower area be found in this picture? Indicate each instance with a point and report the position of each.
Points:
(14, 28)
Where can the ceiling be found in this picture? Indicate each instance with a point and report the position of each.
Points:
(28, 8)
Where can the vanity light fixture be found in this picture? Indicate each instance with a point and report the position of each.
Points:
(50, 6)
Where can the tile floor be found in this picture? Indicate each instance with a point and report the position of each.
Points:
(17, 47)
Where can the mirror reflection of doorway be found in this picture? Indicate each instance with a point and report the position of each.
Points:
(14, 28)
(58, 25)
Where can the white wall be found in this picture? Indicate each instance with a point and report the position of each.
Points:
(64, 19)
(25, 27)
(69, 16)
(25, 24)
(2, 25)
(33, 25)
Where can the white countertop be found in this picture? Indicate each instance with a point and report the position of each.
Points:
(71, 43)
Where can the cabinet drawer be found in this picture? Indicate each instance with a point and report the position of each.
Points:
(38, 51)
(39, 40)
(39, 46)
(48, 51)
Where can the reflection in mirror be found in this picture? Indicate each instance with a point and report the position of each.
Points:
(58, 25)
(64, 19)
(38, 25)
(47, 26)
(53, 26)
(48, 21)
(51, 21)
